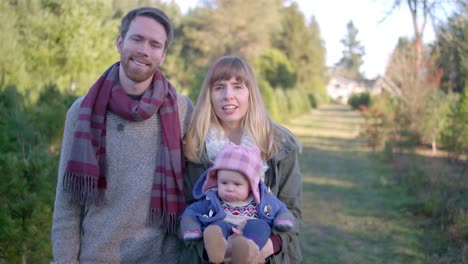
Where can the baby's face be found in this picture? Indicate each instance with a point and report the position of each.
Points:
(232, 186)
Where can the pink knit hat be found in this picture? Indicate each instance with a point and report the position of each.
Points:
(244, 159)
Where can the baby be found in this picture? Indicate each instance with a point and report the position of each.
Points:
(232, 198)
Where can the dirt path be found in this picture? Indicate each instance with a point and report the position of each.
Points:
(350, 212)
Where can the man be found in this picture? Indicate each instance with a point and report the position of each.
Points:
(120, 191)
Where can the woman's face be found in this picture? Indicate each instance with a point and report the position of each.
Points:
(230, 100)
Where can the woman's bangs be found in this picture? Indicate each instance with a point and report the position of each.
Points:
(226, 70)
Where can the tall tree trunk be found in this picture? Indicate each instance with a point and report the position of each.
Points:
(23, 256)
(418, 29)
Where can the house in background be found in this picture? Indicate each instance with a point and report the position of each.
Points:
(340, 86)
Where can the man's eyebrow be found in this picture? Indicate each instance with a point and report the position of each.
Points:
(141, 36)
(154, 41)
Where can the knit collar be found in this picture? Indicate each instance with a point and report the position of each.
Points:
(216, 139)
(239, 203)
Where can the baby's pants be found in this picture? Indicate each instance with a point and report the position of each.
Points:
(256, 230)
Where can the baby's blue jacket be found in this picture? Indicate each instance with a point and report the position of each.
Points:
(208, 209)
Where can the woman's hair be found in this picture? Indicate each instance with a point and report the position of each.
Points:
(257, 123)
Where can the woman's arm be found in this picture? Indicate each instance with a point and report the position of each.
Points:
(289, 191)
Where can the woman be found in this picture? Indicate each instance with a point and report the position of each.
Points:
(230, 109)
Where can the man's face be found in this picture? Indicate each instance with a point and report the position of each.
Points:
(142, 50)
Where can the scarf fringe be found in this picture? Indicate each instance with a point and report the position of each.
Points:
(83, 189)
(161, 219)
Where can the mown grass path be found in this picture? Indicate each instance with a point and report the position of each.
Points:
(350, 212)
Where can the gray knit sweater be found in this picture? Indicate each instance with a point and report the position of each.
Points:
(117, 231)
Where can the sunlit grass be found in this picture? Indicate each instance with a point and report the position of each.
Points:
(325, 181)
(351, 211)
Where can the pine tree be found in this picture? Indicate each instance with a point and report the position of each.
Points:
(353, 53)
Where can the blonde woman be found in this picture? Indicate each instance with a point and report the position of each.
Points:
(230, 109)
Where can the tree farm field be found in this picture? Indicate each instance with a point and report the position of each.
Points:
(351, 214)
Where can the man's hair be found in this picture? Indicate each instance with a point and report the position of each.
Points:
(151, 12)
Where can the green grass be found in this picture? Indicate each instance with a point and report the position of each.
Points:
(352, 213)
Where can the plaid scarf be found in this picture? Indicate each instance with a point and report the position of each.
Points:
(85, 177)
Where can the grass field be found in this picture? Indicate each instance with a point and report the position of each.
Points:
(351, 214)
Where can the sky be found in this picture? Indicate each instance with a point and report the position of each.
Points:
(378, 37)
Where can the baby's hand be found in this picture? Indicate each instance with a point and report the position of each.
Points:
(238, 230)
(191, 235)
(284, 221)
(283, 224)
(190, 229)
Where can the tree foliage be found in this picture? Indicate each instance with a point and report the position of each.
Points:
(358, 100)
(59, 40)
(421, 11)
(12, 61)
(455, 137)
(452, 45)
(353, 52)
(437, 109)
(28, 165)
(275, 67)
(308, 60)
(418, 81)
(241, 27)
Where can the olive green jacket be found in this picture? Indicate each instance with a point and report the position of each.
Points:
(285, 180)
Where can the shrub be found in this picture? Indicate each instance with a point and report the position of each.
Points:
(298, 102)
(269, 99)
(356, 100)
(455, 137)
(378, 122)
(281, 105)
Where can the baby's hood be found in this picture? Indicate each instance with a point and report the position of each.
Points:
(197, 191)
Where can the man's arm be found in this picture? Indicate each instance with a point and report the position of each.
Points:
(185, 111)
(66, 218)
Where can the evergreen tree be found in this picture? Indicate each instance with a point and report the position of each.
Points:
(28, 172)
(452, 45)
(353, 52)
(455, 137)
(304, 48)
(317, 64)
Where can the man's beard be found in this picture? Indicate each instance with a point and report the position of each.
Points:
(137, 74)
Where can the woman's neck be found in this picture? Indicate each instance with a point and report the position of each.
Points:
(234, 134)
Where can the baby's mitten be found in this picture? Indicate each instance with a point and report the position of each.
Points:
(190, 228)
(284, 221)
